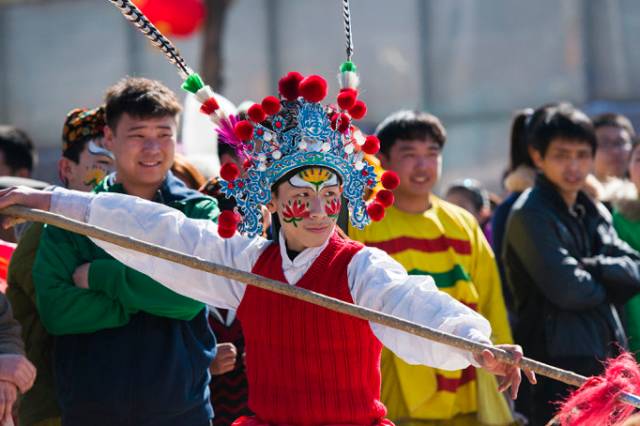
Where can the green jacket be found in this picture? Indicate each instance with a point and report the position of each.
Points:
(40, 402)
(626, 221)
(116, 291)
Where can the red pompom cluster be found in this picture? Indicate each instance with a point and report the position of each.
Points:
(228, 222)
(358, 110)
(256, 113)
(385, 197)
(288, 85)
(375, 210)
(209, 106)
(347, 98)
(243, 130)
(271, 105)
(229, 172)
(390, 180)
(313, 88)
(371, 145)
(344, 121)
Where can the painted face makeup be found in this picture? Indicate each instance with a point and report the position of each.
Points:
(315, 178)
(295, 211)
(332, 207)
(97, 149)
(97, 165)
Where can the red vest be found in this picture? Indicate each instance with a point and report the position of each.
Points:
(307, 365)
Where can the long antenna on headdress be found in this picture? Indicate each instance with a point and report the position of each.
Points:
(346, 13)
(192, 81)
(137, 18)
(347, 75)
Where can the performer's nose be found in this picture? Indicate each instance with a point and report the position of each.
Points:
(315, 207)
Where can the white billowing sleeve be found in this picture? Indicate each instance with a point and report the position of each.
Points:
(379, 282)
(164, 226)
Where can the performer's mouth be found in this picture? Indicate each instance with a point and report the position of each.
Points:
(317, 229)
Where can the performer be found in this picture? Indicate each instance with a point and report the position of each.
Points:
(306, 365)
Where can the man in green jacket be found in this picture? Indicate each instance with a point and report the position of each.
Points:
(84, 163)
(113, 363)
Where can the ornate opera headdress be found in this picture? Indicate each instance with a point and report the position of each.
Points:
(288, 133)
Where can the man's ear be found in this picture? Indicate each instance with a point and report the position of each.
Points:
(65, 170)
(384, 160)
(108, 138)
(536, 157)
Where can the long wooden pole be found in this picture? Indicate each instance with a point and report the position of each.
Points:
(331, 303)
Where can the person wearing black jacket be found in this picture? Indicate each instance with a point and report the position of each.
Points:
(564, 262)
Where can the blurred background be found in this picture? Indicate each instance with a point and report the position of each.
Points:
(470, 62)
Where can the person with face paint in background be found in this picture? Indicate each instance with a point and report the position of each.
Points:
(84, 163)
(305, 364)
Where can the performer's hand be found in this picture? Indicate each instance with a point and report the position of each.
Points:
(510, 375)
(8, 397)
(81, 276)
(23, 196)
(225, 359)
(17, 369)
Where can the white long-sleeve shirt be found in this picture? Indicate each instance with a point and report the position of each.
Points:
(376, 281)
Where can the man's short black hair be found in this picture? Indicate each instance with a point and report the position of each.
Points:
(560, 121)
(17, 148)
(614, 120)
(139, 98)
(409, 125)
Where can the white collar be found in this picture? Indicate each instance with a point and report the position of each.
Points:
(304, 259)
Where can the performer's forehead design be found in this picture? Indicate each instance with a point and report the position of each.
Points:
(315, 178)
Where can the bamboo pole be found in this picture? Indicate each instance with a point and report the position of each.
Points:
(331, 303)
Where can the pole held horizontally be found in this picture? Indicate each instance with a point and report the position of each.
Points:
(327, 302)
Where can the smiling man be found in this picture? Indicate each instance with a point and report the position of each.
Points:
(430, 236)
(113, 364)
(564, 262)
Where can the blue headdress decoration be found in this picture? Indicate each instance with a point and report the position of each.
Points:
(301, 134)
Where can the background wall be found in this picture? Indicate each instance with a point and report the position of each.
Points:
(470, 62)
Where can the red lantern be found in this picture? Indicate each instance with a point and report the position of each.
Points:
(179, 18)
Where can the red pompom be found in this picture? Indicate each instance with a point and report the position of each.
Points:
(229, 219)
(271, 105)
(375, 211)
(334, 121)
(390, 180)
(209, 106)
(385, 197)
(288, 85)
(225, 232)
(371, 145)
(358, 110)
(229, 172)
(256, 113)
(247, 164)
(347, 98)
(313, 88)
(345, 122)
(243, 130)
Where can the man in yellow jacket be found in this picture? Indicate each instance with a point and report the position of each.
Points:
(429, 236)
